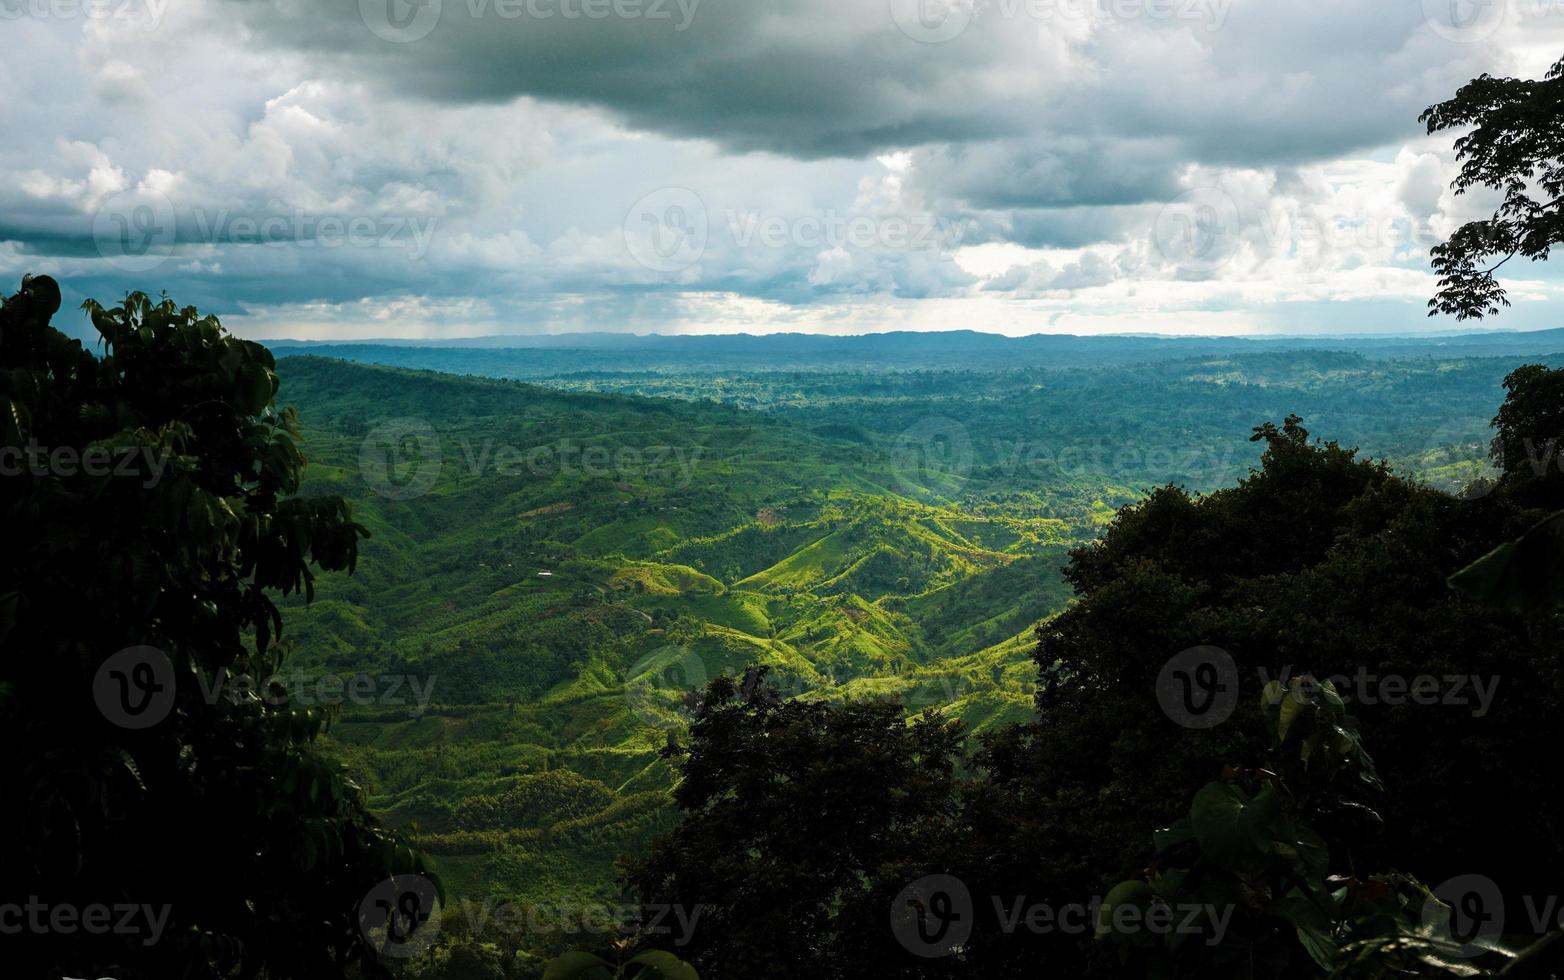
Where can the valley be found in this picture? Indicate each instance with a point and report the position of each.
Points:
(557, 563)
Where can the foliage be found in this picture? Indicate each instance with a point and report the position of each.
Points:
(800, 821)
(222, 812)
(1319, 564)
(1513, 146)
(1527, 574)
(652, 964)
(1249, 845)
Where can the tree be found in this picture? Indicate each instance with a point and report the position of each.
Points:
(1527, 574)
(1515, 146)
(147, 498)
(1317, 563)
(801, 823)
(1325, 564)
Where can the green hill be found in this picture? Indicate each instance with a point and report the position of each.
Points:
(571, 563)
(551, 570)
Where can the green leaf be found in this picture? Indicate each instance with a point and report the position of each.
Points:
(1333, 702)
(1524, 575)
(577, 966)
(1272, 695)
(1216, 819)
(1312, 925)
(1234, 832)
(1124, 893)
(1180, 831)
(665, 965)
(1292, 707)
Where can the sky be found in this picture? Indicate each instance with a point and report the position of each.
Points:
(353, 169)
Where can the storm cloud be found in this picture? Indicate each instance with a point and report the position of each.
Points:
(451, 167)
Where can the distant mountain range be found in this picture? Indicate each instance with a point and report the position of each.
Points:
(553, 354)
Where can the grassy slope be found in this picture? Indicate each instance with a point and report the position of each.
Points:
(714, 538)
(766, 551)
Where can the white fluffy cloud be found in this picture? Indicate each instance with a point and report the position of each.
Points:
(449, 167)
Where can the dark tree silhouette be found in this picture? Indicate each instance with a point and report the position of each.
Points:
(146, 501)
(1515, 146)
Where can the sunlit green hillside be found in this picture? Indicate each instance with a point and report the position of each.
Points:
(550, 570)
